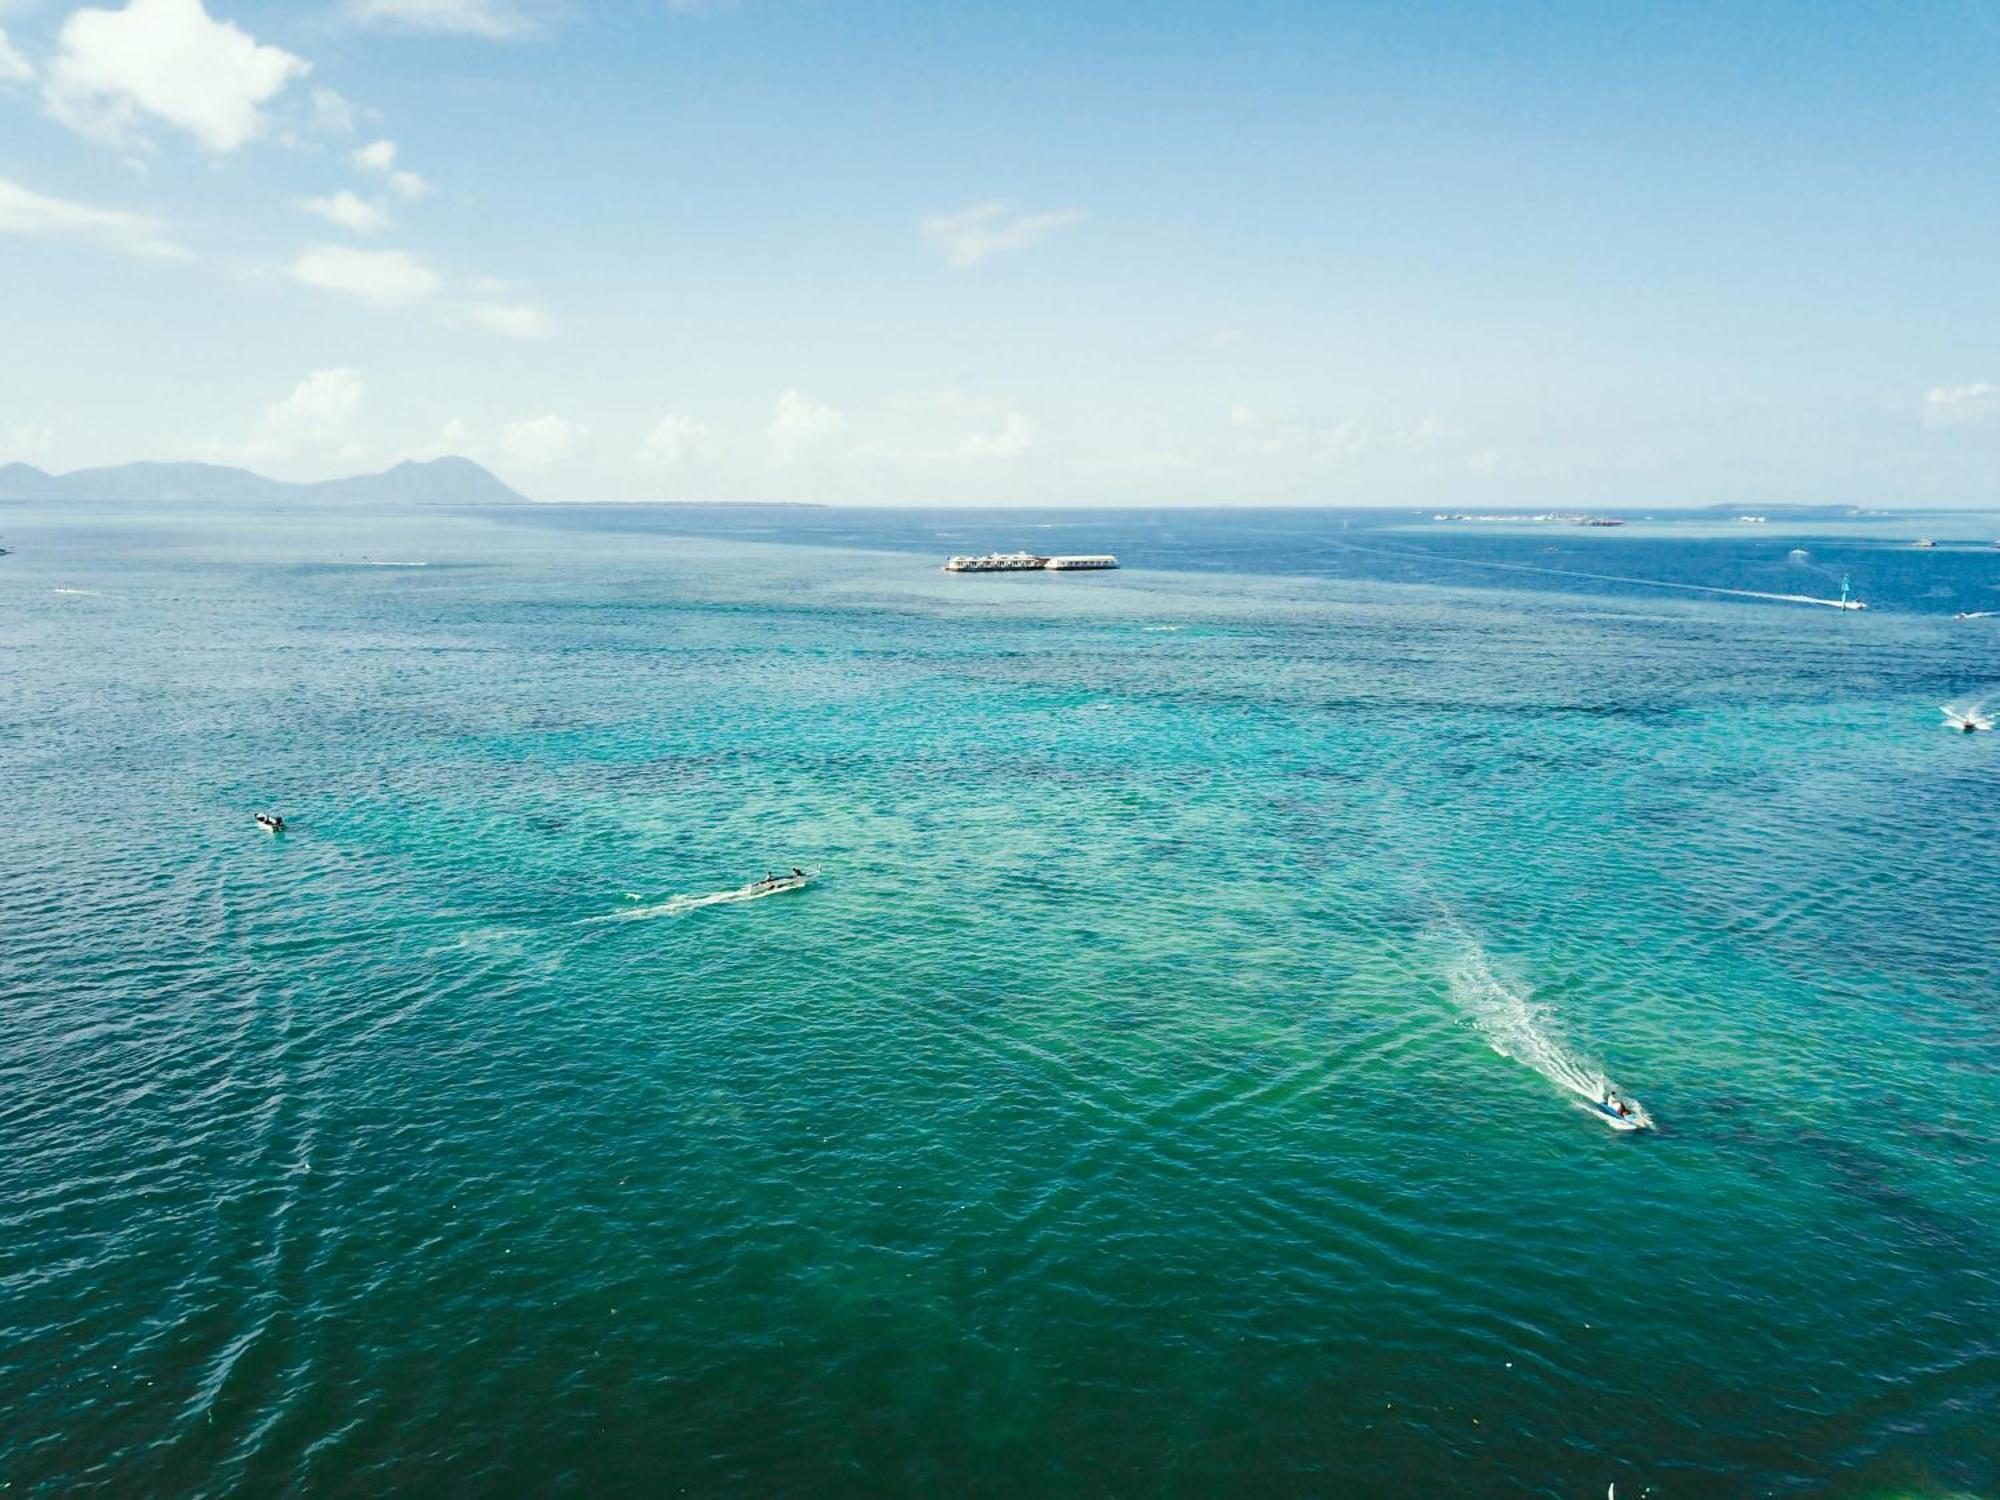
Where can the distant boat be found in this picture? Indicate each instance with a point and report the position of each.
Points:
(1923, 541)
(270, 822)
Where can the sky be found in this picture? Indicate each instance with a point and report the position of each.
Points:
(1452, 255)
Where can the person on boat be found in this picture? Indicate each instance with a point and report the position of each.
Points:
(797, 873)
(1616, 1104)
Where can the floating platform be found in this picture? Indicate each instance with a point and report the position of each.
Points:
(1029, 562)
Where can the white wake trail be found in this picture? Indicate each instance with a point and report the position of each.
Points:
(1650, 583)
(1967, 712)
(673, 906)
(1518, 1026)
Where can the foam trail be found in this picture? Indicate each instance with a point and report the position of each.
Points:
(1960, 714)
(1650, 583)
(1516, 1026)
(673, 906)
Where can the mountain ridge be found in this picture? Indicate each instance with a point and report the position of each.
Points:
(449, 480)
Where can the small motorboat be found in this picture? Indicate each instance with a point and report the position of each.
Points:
(1923, 541)
(1967, 720)
(270, 822)
(1634, 1117)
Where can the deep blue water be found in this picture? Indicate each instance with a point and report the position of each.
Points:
(1803, 555)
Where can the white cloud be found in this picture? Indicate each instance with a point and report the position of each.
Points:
(23, 211)
(1015, 437)
(1330, 442)
(495, 20)
(378, 278)
(164, 60)
(517, 320)
(679, 442)
(317, 420)
(379, 157)
(1228, 336)
(799, 424)
(453, 438)
(1962, 405)
(540, 442)
(970, 235)
(349, 211)
(14, 68)
(331, 113)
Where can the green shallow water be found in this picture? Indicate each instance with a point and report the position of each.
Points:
(1160, 1090)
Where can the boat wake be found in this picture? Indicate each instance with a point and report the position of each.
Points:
(1519, 1027)
(1967, 715)
(673, 906)
(1650, 583)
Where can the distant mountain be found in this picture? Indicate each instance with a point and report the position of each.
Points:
(26, 482)
(440, 481)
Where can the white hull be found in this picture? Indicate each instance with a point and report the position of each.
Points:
(1637, 1120)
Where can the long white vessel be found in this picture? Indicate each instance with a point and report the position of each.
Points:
(1028, 562)
(996, 562)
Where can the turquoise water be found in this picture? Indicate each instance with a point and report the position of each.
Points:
(1163, 1089)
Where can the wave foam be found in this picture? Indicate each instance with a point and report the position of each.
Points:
(1518, 1026)
(673, 906)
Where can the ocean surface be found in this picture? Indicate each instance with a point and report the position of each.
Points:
(1170, 1084)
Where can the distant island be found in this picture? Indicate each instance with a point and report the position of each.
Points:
(437, 481)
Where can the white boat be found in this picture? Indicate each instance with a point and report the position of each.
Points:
(1923, 541)
(1028, 562)
(997, 562)
(270, 822)
(1635, 1117)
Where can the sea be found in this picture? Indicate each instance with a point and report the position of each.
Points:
(1175, 1079)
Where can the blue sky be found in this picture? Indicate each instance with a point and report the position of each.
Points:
(1250, 253)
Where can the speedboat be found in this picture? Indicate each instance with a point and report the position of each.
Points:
(1923, 541)
(1634, 1118)
(1966, 721)
(270, 822)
